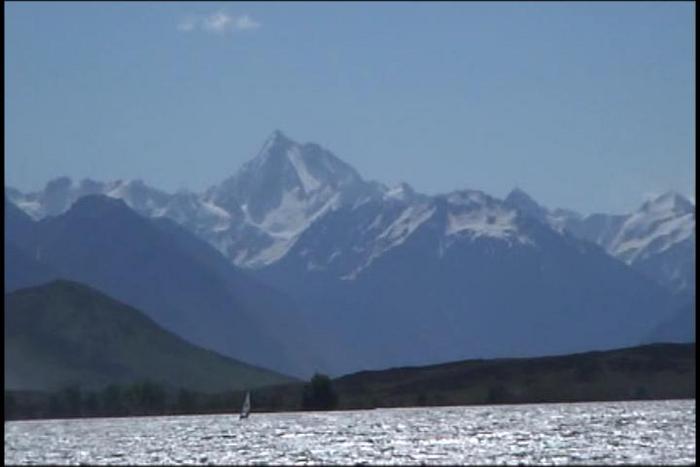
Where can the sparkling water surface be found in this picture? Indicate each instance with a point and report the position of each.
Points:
(641, 432)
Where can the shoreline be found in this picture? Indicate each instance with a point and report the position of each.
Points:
(649, 372)
(253, 412)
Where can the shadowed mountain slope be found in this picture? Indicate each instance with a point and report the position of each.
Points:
(66, 333)
(162, 271)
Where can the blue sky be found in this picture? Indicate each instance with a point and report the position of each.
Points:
(589, 106)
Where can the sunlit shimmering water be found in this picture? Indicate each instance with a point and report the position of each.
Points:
(651, 432)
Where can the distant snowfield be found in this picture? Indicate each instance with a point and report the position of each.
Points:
(300, 184)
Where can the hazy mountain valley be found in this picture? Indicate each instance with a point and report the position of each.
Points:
(292, 261)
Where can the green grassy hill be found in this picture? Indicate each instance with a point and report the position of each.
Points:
(65, 333)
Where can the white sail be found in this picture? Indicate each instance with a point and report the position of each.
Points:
(245, 410)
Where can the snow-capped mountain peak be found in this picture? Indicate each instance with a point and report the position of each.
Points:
(475, 214)
(297, 178)
(658, 238)
(669, 202)
(274, 147)
(256, 216)
(401, 192)
(659, 224)
(518, 198)
(308, 166)
(285, 188)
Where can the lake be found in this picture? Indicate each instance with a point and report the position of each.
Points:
(644, 432)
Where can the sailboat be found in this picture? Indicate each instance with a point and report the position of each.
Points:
(245, 410)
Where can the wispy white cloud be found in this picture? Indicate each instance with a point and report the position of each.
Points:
(187, 24)
(245, 22)
(219, 22)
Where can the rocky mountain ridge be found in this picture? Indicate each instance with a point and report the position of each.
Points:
(255, 216)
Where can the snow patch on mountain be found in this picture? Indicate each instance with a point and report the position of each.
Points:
(656, 227)
(376, 223)
(32, 207)
(295, 213)
(449, 219)
(308, 182)
(409, 220)
(660, 235)
(557, 219)
(380, 233)
(118, 189)
(281, 192)
(221, 215)
(496, 223)
(403, 192)
(256, 216)
(271, 254)
(658, 239)
(473, 214)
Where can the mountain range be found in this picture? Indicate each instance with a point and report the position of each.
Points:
(415, 279)
(179, 281)
(255, 216)
(658, 239)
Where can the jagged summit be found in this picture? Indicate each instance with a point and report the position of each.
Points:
(402, 192)
(518, 196)
(280, 192)
(306, 166)
(258, 213)
(524, 203)
(277, 133)
(279, 138)
(669, 201)
(660, 223)
(59, 183)
(285, 174)
(275, 145)
(96, 204)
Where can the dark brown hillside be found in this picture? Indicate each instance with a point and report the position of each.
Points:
(657, 371)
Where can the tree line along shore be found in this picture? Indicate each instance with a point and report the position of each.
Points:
(656, 371)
